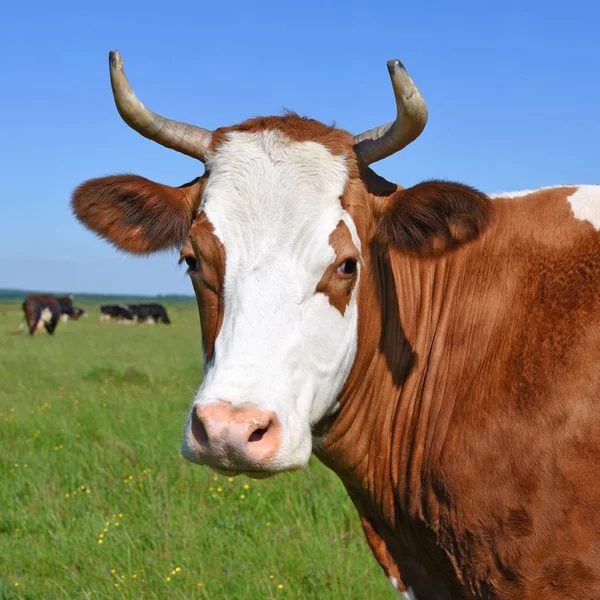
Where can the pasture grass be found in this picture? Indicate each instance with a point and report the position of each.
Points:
(96, 501)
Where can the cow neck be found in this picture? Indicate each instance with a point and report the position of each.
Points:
(398, 401)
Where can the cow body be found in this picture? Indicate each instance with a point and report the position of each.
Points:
(41, 312)
(469, 429)
(437, 348)
(119, 312)
(150, 313)
(68, 311)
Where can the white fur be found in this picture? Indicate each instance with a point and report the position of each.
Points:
(408, 595)
(522, 193)
(46, 315)
(273, 204)
(585, 204)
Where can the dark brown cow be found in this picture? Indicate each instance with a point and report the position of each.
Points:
(41, 311)
(437, 348)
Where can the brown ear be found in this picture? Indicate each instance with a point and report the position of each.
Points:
(433, 217)
(136, 214)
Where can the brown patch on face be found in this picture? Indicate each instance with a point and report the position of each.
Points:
(207, 279)
(338, 288)
(297, 129)
(136, 214)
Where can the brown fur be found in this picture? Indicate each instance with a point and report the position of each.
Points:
(433, 217)
(33, 306)
(339, 288)
(469, 435)
(136, 214)
(469, 431)
(207, 280)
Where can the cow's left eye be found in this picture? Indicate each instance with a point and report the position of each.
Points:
(347, 268)
(192, 263)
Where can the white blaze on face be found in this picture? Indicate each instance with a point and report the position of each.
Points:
(273, 204)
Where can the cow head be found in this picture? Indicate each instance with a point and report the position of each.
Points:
(277, 236)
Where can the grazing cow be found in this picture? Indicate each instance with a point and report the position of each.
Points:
(66, 307)
(438, 348)
(77, 313)
(68, 310)
(150, 313)
(41, 311)
(119, 312)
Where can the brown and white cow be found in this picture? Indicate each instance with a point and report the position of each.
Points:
(437, 348)
(42, 312)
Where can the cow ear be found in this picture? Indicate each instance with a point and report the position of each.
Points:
(136, 214)
(433, 217)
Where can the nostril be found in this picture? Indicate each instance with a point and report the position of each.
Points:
(258, 434)
(198, 430)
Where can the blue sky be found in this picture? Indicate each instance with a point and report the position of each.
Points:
(513, 90)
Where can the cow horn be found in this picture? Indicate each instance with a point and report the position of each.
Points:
(187, 139)
(382, 141)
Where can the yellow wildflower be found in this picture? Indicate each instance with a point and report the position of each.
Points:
(168, 579)
(280, 586)
(271, 576)
(219, 490)
(242, 496)
(101, 541)
(246, 486)
(230, 479)
(120, 515)
(117, 524)
(178, 569)
(113, 571)
(134, 576)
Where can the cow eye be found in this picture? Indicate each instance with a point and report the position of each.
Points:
(192, 263)
(347, 268)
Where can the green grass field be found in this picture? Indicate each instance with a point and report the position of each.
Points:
(96, 501)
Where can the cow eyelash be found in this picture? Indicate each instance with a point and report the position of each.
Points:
(347, 268)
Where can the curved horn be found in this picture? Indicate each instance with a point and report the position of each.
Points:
(187, 139)
(382, 141)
